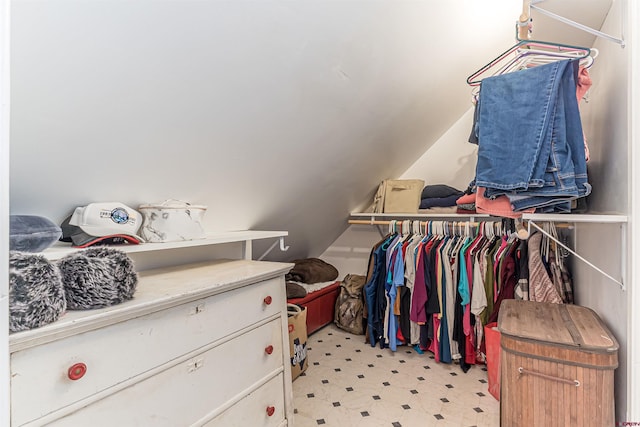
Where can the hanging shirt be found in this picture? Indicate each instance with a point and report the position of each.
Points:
(397, 279)
(419, 296)
(371, 291)
(374, 293)
(410, 277)
(443, 331)
(388, 284)
(450, 296)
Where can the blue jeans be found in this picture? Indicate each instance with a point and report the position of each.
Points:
(530, 136)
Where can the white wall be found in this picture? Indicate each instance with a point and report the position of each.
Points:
(274, 114)
(349, 253)
(4, 212)
(606, 127)
(451, 160)
(633, 38)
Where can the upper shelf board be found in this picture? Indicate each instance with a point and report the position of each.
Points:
(59, 250)
(586, 218)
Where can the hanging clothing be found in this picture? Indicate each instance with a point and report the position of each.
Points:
(541, 288)
(374, 293)
(522, 271)
(410, 277)
(437, 292)
(448, 296)
(508, 279)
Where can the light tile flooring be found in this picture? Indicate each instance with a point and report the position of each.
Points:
(350, 383)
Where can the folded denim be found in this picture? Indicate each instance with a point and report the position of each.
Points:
(543, 204)
(559, 207)
(548, 204)
(530, 135)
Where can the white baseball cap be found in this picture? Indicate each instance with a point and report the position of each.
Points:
(107, 222)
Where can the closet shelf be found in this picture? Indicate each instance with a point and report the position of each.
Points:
(59, 250)
(387, 216)
(574, 218)
(601, 218)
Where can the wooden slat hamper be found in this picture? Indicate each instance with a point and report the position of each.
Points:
(556, 365)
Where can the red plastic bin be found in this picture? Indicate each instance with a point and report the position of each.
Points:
(320, 306)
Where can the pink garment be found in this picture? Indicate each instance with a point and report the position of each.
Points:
(500, 206)
(582, 86)
(434, 346)
(584, 83)
(466, 199)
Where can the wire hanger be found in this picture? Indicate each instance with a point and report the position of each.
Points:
(527, 53)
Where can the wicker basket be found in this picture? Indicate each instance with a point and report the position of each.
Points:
(557, 364)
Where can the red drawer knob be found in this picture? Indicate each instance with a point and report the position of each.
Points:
(269, 349)
(270, 410)
(268, 300)
(77, 371)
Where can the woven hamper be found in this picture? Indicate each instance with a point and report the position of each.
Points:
(556, 365)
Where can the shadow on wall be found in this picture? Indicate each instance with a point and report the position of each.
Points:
(459, 168)
(350, 252)
(465, 164)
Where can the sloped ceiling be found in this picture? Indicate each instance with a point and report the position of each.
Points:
(277, 115)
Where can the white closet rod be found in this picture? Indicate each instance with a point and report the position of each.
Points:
(578, 25)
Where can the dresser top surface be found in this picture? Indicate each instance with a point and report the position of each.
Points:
(156, 290)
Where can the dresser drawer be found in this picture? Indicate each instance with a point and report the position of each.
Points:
(121, 351)
(262, 408)
(188, 391)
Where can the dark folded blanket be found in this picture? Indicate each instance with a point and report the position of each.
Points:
(438, 191)
(311, 270)
(295, 290)
(441, 202)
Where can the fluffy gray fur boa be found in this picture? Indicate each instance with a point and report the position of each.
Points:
(36, 293)
(40, 290)
(97, 277)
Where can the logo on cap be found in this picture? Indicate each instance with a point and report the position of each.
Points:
(119, 216)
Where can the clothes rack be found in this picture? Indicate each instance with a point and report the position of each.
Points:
(520, 229)
(523, 24)
(531, 220)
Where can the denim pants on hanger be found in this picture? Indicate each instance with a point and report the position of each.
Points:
(531, 144)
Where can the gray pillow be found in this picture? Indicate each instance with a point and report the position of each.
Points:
(32, 233)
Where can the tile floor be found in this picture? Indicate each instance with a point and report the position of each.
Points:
(350, 383)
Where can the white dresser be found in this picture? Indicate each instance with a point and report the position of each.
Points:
(200, 344)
